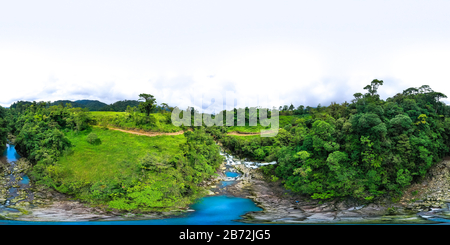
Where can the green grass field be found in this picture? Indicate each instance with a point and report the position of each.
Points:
(118, 153)
(283, 121)
(109, 173)
(106, 113)
(124, 120)
(119, 119)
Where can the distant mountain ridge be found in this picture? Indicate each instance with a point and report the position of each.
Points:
(91, 105)
(121, 105)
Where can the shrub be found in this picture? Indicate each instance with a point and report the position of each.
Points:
(274, 178)
(92, 138)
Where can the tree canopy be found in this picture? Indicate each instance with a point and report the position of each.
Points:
(366, 149)
(148, 104)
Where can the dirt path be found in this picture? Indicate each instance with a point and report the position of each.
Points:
(151, 134)
(241, 134)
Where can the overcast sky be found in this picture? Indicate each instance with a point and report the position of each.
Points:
(304, 52)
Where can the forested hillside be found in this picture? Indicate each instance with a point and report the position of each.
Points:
(95, 105)
(363, 149)
(3, 127)
(92, 105)
(19, 104)
(120, 105)
(109, 168)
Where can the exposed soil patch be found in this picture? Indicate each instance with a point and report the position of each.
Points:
(141, 132)
(237, 133)
(150, 134)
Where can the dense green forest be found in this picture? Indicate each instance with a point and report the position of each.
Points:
(19, 104)
(92, 105)
(364, 149)
(163, 172)
(65, 102)
(120, 105)
(3, 127)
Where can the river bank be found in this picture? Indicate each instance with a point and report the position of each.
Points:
(282, 206)
(42, 204)
(423, 202)
(420, 202)
(23, 200)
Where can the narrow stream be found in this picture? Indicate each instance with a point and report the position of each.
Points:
(17, 184)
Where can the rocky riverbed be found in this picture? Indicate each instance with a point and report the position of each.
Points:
(20, 199)
(40, 203)
(45, 204)
(31, 202)
(432, 192)
(283, 206)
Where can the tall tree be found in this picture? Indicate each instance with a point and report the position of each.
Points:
(437, 96)
(373, 86)
(291, 107)
(357, 96)
(301, 109)
(149, 103)
(411, 90)
(425, 89)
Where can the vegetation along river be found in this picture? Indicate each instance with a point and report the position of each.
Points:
(219, 209)
(211, 210)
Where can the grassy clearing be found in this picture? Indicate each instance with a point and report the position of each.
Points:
(99, 116)
(132, 172)
(246, 129)
(283, 121)
(106, 113)
(160, 123)
(156, 122)
(118, 153)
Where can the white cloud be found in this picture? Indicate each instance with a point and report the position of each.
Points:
(302, 51)
(423, 65)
